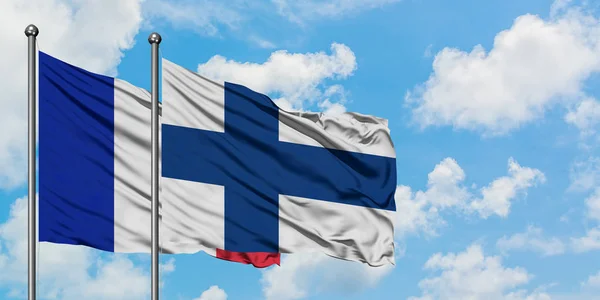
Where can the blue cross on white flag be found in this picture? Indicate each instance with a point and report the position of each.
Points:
(251, 177)
(242, 180)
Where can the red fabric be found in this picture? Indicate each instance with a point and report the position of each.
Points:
(257, 259)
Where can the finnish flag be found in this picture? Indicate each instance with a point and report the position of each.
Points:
(242, 180)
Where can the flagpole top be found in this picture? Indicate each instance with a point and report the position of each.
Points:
(154, 38)
(31, 30)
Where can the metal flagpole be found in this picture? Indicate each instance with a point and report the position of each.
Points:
(31, 32)
(154, 39)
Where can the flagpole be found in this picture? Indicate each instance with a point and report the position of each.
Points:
(154, 39)
(31, 32)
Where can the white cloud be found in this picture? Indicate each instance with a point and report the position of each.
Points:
(168, 266)
(75, 31)
(420, 211)
(165, 268)
(428, 51)
(593, 282)
(117, 278)
(209, 17)
(214, 17)
(201, 16)
(213, 293)
(532, 240)
(66, 271)
(472, 275)
(301, 11)
(333, 100)
(585, 116)
(443, 185)
(589, 242)
(296, 78)
(585, 175)
(593, 205)
(497, 196)
(524, 295)
(303, 274)
(559, 6)
(532, 66)
(415, 214)
(261, 42)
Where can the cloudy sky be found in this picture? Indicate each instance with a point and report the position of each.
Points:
(493, 108)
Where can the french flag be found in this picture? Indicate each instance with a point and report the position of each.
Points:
(94, 169)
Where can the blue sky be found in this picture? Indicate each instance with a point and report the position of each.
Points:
(493, 108)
